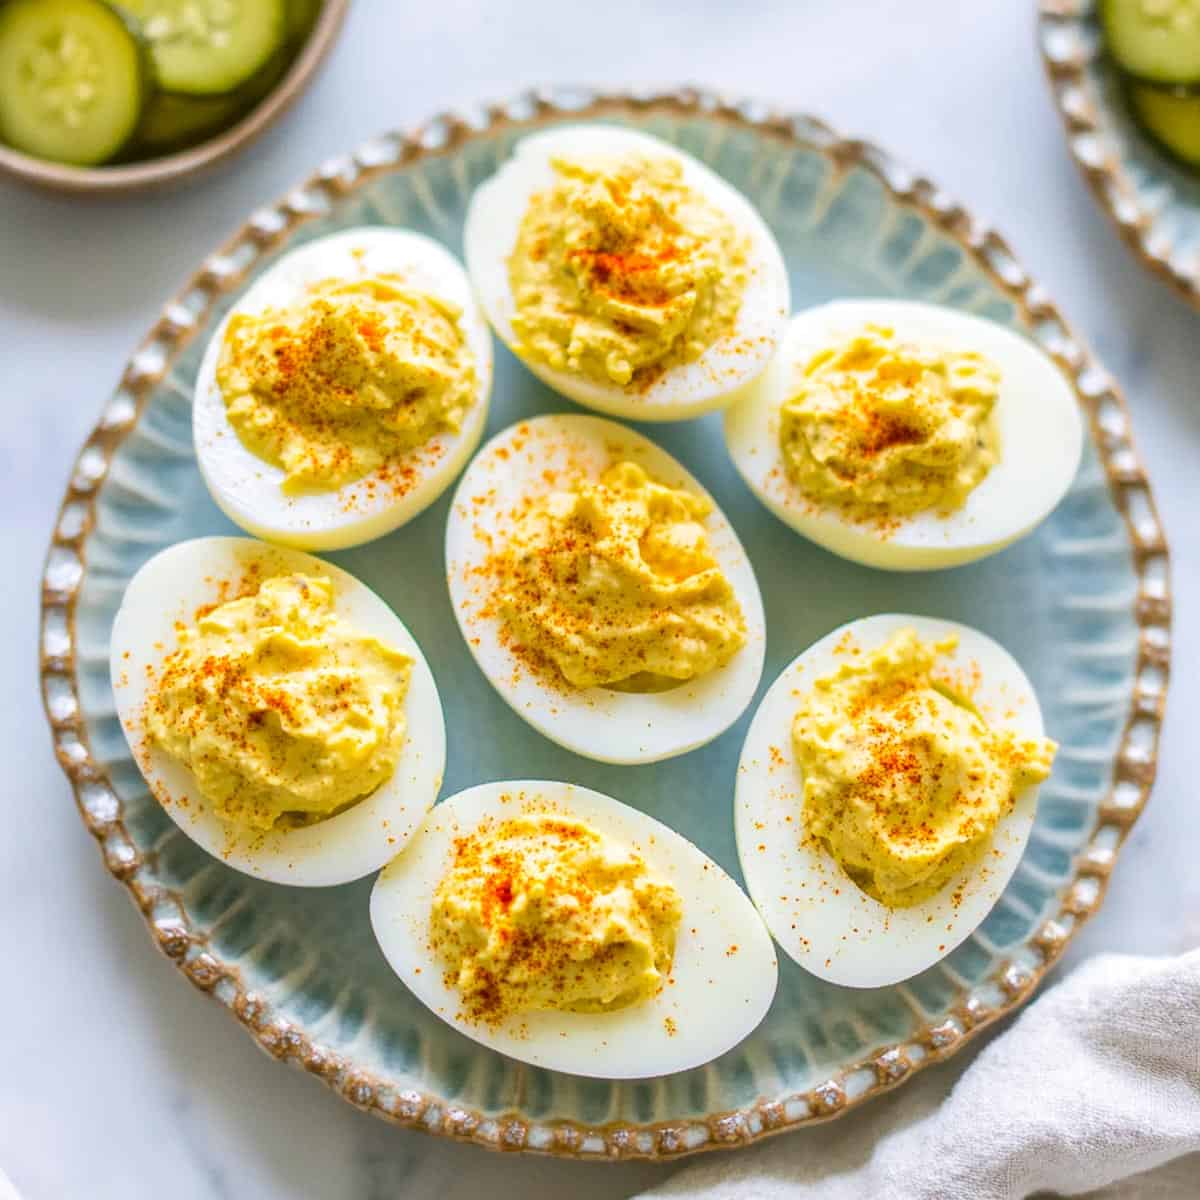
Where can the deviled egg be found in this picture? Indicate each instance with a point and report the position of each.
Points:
(885, 794)
(626, 274)
(565, 929)
(907, 436)
(602, 592)
(279, 710)
(345, 390)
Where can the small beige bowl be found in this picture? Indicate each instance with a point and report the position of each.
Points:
(157, 172)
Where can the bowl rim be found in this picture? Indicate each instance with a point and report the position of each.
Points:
(1084, 114)
(1135, 759)
(159, 172)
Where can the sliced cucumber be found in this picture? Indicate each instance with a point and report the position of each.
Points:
(72, 80)
(1171, 118)
(265, 79)
(208, 47)
(170, 122)
(301, 17)
(1155, 40)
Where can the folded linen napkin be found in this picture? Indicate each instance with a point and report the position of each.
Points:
(1097, 1081)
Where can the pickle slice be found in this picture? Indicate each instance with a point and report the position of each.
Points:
(1171, 118)
(301, 17)
(1157, 40)
(170, 122)
(72, 83)
(208, 47)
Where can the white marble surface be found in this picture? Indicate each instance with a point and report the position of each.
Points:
(118, 1078)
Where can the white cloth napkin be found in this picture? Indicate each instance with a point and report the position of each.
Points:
(1097, 1081)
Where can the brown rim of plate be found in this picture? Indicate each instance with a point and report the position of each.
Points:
(889, 1065)
(1084, 115)
(159, 172)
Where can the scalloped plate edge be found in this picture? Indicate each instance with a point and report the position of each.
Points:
(1085, 119)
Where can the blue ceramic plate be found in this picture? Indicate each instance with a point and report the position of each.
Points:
(1083, 604)
(1154, 201)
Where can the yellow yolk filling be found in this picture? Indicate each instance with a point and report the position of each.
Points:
(904, 781)
(620, 271)
(613, 584)
(882, 428)
(281, 709)
(547, 913)
(356, 374)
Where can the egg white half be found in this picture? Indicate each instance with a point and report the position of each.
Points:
(816, 913)
(170, 588)
(724, 370)
(1038, 419)
(721, 983)
(247, 488)
(548, 454)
